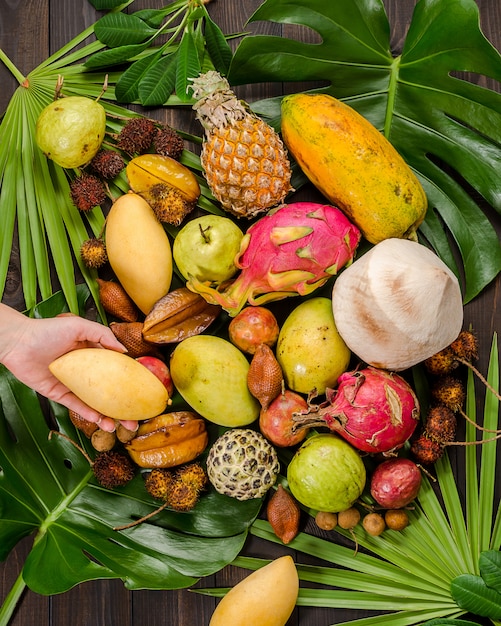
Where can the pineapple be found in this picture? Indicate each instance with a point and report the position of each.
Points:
(244, 159)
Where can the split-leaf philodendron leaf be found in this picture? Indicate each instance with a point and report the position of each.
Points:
(48, 489)
(447, 128)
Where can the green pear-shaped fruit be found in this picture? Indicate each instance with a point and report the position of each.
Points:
(70, 131)
(210, 373)
(310, 350)
(326, 473)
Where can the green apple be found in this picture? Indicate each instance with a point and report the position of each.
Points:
(206, 247)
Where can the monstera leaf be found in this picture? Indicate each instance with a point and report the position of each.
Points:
(447, 128)
(48, 489)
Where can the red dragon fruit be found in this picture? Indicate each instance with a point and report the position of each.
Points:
(292, 250)
(373, 409)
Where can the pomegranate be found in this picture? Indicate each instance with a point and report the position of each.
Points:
(373, 409)
(395, 483)
(276, 423)
(253, 326)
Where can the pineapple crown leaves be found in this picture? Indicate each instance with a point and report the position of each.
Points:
(216, 104)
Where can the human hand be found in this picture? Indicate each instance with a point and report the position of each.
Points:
(28, 346)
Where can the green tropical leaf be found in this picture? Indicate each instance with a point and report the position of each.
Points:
(48, 488)
(449, 622)
(152, 17)
(472, 594)
(490, 568)
(217, 46)
(446, 128)
(102, 5)
(120, 29)
(114, 56)
(187, 66)
(158, 82)
(127, 87)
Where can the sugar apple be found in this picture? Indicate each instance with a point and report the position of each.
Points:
(242, 464)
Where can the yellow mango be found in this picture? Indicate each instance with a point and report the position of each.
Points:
(112, 383)
(353, 165)
(264, 598)
(139, 250)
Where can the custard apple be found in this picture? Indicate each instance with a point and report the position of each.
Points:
(242, 464)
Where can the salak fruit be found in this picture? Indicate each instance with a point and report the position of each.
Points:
(292, 250)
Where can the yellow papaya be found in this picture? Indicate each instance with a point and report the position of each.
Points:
(353, 165)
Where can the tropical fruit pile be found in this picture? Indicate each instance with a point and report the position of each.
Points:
(276, 326)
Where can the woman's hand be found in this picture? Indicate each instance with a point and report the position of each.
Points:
(28, 346)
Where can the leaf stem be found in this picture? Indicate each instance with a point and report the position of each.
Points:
(9, 605)
(392, 91)
(11, 67)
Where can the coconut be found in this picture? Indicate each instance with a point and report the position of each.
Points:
(397, 305)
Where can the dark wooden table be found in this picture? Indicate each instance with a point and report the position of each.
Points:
(29, 31)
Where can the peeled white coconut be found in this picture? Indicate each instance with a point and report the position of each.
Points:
(397, 305)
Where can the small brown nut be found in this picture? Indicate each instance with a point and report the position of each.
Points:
(283, 514)
(178, 315)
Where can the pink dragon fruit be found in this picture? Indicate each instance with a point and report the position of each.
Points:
(373, 409)
(292, 250)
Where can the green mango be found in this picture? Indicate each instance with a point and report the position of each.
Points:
(310, 350)
(210, 373)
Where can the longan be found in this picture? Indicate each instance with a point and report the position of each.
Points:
(374, 524)
(396, 519)
(326, 520)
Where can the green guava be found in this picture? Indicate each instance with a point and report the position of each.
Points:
(70, 131)
(326, 474)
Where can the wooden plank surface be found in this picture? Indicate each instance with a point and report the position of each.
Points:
(29, 31)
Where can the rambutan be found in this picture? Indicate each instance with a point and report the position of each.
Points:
(449, 391)
(113, 469)
(93, 253)
(465, 346)
(168, 142)
(137, 135)
(443, 362)
(168, 204)
(158, 483)
(440, 424)
(87, 191)
(426, 450)
(107, 164)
